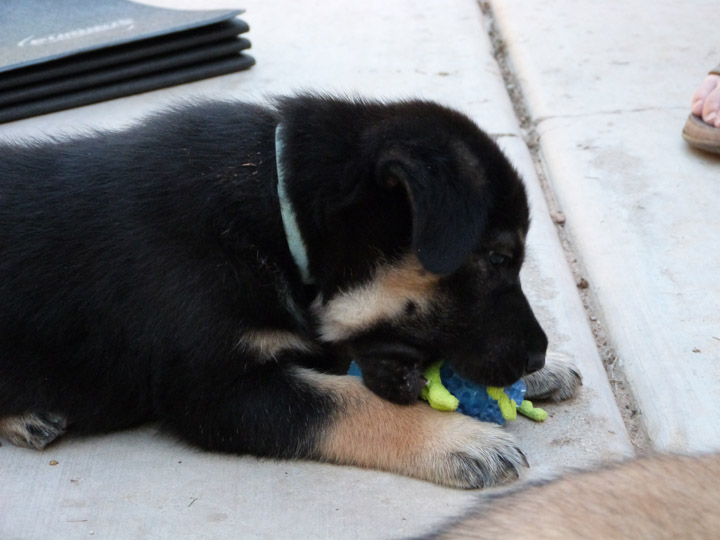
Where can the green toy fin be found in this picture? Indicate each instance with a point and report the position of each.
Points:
(508, 407)
(533, 413)
(435, 393)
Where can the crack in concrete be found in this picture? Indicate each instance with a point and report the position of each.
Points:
(623, 396)
(537, 121)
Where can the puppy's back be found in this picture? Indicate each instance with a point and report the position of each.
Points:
(661, 497)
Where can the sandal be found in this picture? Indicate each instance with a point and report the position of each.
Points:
(700, 134)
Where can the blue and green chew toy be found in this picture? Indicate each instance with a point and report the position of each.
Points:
(448, 391)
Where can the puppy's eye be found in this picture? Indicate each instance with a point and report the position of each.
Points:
(498, 259)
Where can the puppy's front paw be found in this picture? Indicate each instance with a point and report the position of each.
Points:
(393, 372)
(557, 381)
(469, 454)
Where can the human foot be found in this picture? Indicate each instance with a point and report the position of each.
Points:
(702, 128)
(706, 100)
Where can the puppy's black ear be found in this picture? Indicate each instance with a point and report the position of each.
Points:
(449, 202)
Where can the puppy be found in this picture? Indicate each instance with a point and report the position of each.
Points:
(660, 497)
(215, 269)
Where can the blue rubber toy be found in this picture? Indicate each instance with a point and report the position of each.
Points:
(477, 400)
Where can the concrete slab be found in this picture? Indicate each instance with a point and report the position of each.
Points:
(609, 91)
(142, 484)
(388, 50)
(550, 286)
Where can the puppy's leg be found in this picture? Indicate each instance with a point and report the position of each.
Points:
(558, 380)
(414, 440)
(291, 412)
(32, 430)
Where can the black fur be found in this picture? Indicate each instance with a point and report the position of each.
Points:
(133, 261)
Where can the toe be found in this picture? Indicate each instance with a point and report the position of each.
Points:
(710, 84)
(711, 107)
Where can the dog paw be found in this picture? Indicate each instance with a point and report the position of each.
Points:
(33, 430)
(396, 381)
(470, 454)
(560, 379)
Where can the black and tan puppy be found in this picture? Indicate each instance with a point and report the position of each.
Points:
(215, 268)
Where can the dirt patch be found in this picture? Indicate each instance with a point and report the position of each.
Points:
(618, 382)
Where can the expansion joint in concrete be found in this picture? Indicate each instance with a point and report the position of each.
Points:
(623, 396)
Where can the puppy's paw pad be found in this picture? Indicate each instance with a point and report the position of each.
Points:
(33, 430)
(559, 380)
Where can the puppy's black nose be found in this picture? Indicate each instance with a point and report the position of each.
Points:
(535, 362)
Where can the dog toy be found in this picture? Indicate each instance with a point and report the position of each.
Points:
(448, 391)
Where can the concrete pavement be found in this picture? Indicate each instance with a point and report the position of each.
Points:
(640, 212)
(607, 88)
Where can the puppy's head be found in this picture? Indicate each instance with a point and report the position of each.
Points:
(427, 251)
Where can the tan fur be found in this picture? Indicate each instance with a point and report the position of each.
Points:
(267, 344)
(522, 235)
(383, 298)
(13, 429)
(661, 497)
(415, 440)
(31, 430)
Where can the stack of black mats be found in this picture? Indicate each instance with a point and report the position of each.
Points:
(59, 54)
